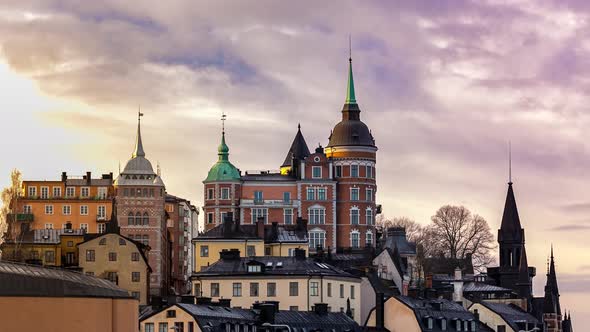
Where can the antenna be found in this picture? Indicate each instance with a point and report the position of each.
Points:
(509, 162)
(223, 118)
(139, 114)
(349, 48)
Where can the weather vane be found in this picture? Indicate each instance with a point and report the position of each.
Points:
(223, 118)
(139, 114)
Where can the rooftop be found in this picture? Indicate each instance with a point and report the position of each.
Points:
(512, 314)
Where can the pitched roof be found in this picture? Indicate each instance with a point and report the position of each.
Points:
(511, 227)
(512, 314)
(396, 237)
(298, 150)
(474, 286)
(27, 280)
(436, 309)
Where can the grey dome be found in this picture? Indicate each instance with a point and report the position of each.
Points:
(351, 130)
(138, 165)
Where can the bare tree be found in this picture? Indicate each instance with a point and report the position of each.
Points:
(456, 232)
(10, 195)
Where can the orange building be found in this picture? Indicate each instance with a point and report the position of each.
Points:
(82, 202)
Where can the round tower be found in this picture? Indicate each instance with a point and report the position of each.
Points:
(353, 153)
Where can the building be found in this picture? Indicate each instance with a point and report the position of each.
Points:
(334, 187)
(211, 316)
(298, 282)
(140, 195)
(251, 240)
(83, 202)
(501, 317)
(34, 298)
(47, 247)
(179, 212)
(396, 237)
(118, 259)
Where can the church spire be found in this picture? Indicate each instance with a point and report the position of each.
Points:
(138, 152)
(552, 280)
(223, 149)
(350, 96)
(510, 227)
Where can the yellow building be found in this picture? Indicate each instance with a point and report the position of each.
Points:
(48, 247)
(297, 282)
(250, 240)
(83, 202)
(118, 259)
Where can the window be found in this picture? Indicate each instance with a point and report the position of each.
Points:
(90, 255)
(102, 242)
(89, 273)
(338, 171)
(56, 192)
(254, 289)
(44, 192)
(369, 172)
(149, 327)
(163, 327)
(27, 209)
(102, 211)
(288, 216)
(138, 218)
(259, 213)
(317, 239)
(70, 191)
(210, 193)
(254, 269)
(84, 210)
(191, 327)
(32, 191)
(354, 194)
(122, 242)
(209, 217)
(329, 290)
(310, 194)
(321, 194)
(341, 291)
(50, 256)
(214, 289)
(258, 197)
(135, 257)
(223, 215)
(251, 251)
(112, 256)
(151, 192)
(112, 277)
(102, 228)
(354, 216)
(130, 218)
(204, 251)
(352, 291)
(369, 194)
(49, 226)
(224, 193)
(267, 251)
(135, 295)
(102, 193)
(66, 210)
(145, 239)
(355, 239)
(170, 313)
(135, 276)
(314, 288)
(369, 239)
(294, 308)
(271, 289)
(146, 218)
(286, 197)
(294, 289)
(237, 289)
(316, 172)
(179, 326)
(317, 216)
(85, 192)
(84, 227)
(354, 171)
(369, 216)
(48, 209)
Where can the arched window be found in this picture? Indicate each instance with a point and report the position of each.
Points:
(145, 240)
(369, 238)
(354, 216)
(145, 192)
(130, 218)
(317, 215)
(355, 239)
(146, 218)
(369, 216)
(138, 218)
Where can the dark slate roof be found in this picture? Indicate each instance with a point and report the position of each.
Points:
(397, 260)
(47, 236)
(298, 150)
(267, 176)
(384, 286)
(312, 321)
(473, 287)
(26, 280)
(351, 130)
(396, 237)
(272, 266)
(229, 230)
(280, 234)
(511, 227)
(511, 313)
(424, 308)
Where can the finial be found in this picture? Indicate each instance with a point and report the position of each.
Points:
(138, 152)
(299, 126)
(349, 48)
(223, 118)
(551, 251)
(509, 162)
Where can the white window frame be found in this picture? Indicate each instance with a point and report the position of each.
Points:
(313, 169)
(310, 193)
(212, 196)
(358, 215)
(84, 226)
(256, 215)
(316, 215)
(66, 210)
(44, 192)
(288, 216)
(49, 209)
(358, 234)
(357, 170)
(369, 194)
(103, 192)
(369, 218)
(70, 192)
(212, 214)
(87, 189)
(56, 192)
(48, 225)
(368, 235)
(325, 194)
(369, 171)
(221, 194)
(338, 171)
(32, 191)
(102, 227)
(316, 237)
(358, 194)
(82, 213)
(102, 214)
(27, 209)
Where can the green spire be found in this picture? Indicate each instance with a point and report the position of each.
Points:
(223, 149)
(350, 97)
(223, 170)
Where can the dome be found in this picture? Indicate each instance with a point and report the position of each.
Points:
(223, 170)
(138, 165)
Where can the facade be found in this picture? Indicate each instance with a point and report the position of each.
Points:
(82, 202)
(299, 283)
(179, 222)
(505, 317)
(333, 188)
(140, 195)
(34, 298)
(118, 259)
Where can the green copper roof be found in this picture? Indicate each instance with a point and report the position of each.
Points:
(350, 97)
(223, 170)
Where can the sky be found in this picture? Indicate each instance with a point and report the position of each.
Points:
(443, 85)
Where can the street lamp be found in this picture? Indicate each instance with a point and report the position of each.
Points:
(277, 325)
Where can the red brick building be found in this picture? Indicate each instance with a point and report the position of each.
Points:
(333, 188)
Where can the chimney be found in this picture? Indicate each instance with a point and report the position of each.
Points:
(228, 228)
(458, 285)
(230, 255)
(88, 178)
(267, 313)
(187, 299)
(260, 227)
(64, 176)
(225, 303)
(203, 300)
(476, 315)
(321, 308)
(379, 311)
(156, 302)
(172, 299)
(300, 254)
(275, 230)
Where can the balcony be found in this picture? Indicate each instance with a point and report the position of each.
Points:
(269, 203)
(21, 217)
(101, 217)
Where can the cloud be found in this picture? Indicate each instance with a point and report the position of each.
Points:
(571, 227)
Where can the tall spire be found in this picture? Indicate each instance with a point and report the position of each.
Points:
(552, 275)
(223, 149)
(138, 152)
(350, 97)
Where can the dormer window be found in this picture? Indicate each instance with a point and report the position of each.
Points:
(443, 324)
(316, 172)
(458, 324)
(254, 268)
(429, 323)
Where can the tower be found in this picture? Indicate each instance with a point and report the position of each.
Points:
(552, 318)
(222, 187)
(297, 153)
(140, 194)
(352, 150)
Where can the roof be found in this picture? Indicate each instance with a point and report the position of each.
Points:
(396, 237)
(27, 280)
(384, 286)
(436, 309)
(223, 169)
(280, 234)
(312, 321)
(473, 286)
(298, 150)
(93, 182)
(47, 236)
(268, 176)
(510, 228)
(511, 313)
(272, 266)
(142, 248)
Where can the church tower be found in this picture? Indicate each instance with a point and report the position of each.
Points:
(551, 307)
(352, 150)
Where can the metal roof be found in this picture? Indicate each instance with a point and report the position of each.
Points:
(511, 313)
